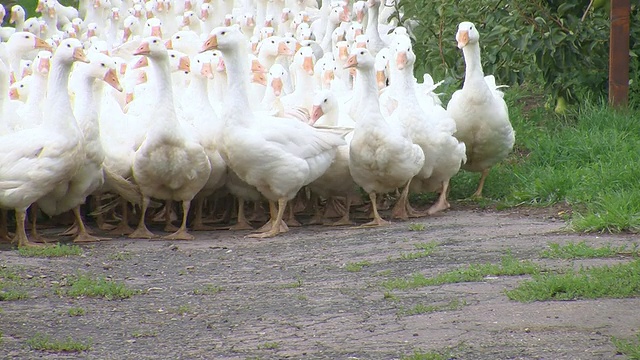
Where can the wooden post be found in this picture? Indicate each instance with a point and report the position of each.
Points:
(619, 53)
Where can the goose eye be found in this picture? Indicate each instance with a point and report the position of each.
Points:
(26, 36)
(178, 37)
(102, 64)
(69, 45)
(172, 55)
(223, 33)
(155, 41)
(325, 100)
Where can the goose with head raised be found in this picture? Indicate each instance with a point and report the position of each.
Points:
(277, 156)
(169, 164)
(33, 162)
(382, 156)
(480, 113)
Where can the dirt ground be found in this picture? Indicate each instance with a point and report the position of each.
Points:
(224, 296)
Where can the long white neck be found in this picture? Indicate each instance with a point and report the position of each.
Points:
(237, 99)
(57, 105)
(473, 68)
(161, 79)
(86, 109)
(403, 84)
(38, 90)
(372, 24)
(365, 89)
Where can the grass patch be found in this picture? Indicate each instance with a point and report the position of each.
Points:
(509, 266)
(428, 355)
(76, 311)
(208, 289)
(630, 348)
(45, 343)
(583, 160)
(356, 266)
(269, 346)
(417, 227)
(59, 250)
(8, 275)
(83, 285)
(583, 251)
(427, 249)
(617, 281)
(293, 285)
(183, 309)
(425, 309)
(12, 295)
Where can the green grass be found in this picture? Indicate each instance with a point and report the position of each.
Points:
(617, 281)
(586, 160)
(12, 295)
(356, 266)
(183, 309)
(293, 285)
(144, 334)
(583, 251)
(509, 266)
(8, 274)
(59, 250)
(45, 343)
(428, 355)
(417, 227)
(208, 289)
(269, 346)
(121, 256)
(84, 285)
(425, 309)
(427, 249)
(630, 348)
(76, 311)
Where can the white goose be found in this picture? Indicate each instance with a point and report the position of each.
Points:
(381, 155)
(277, 156)
(33, 162)
(480, 113)
(169, 165)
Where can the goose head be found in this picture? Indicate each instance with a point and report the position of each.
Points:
(304, 59)
(23, 41)
(42, 62)
(152, 47)
(467, 34)
(224, 38)
(381, 66)
(153, 27)
(202, 65)
(69, 51)
(102, 67)
(361, 59)
(17, 14)
(32, 25)
(274, 79)
(19, 90)
(403, 53)
(131, 26)
(360, 10)
(324, 102)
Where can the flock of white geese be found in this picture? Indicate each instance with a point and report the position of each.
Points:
(260, 99)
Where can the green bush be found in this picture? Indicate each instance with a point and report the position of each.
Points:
(521, 41)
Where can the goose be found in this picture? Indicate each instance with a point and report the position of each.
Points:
(20, 90)
(33, 162)
(277, 156)
(376, 43)
(31, 113)
(191, 22)
(432, 130)
(302, 67)
(206, 125)
(481, 115)
(382, 156)
(17, 17)
(89, 177)
(18, 46)
(169, 165)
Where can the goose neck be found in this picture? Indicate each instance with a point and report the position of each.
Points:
(237, 83)
(367, 86)
(162, 76)
(57, 102)
(473, 68)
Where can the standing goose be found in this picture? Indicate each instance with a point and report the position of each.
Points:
(382, 157)
(33, 162)
(277, 156)
(169, 165)
(480, 113)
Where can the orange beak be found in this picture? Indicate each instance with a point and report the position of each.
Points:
(184, 64)
(156, 31)
(96, 4)
(221, 66)
(111, 78)
(51, 12)
(13, 18)
(283, 49)
(186, 21)
(142, 62)
(14, 94)
(41, 44)
(123, 68)
(91, 33)
(40, 6)
(206, 71)
(360, 16)
(257, 67)
(328, 76)
(141, 79)
(463, 38)
(307, 65)
(352, 61)
(381, 79)
(259, 78)
(128, 97)
(27, 71)
(343, 53)
(358, 32)
(361, 45)
(251, 22)
(169, 44)
(79, 55)
(126, 34)
(277, 85)
(316, 114)
(401, 60)
(210, 44)
(254, 48)
(344, 16)
(204, 14)
(43, 66)
(143, 49)
(187, 5)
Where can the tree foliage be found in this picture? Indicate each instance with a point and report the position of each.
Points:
(552, 40)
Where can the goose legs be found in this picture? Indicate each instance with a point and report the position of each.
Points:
(277, 225)
(243, 223)
(123, 227)
(483, 177)
(83, 236)
(401, 209)
(21, 234)
(377, 219)
(142, 232)
(442, 203)
(181, 233)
